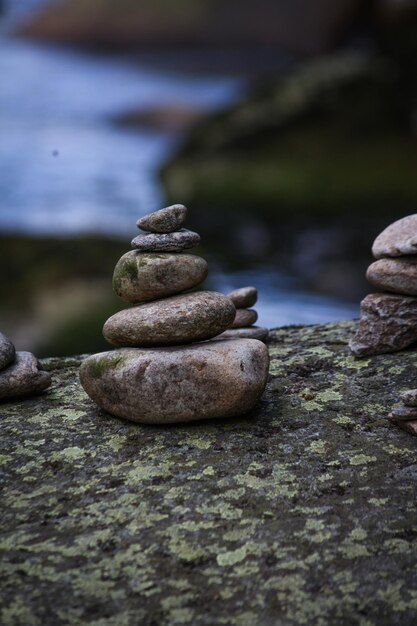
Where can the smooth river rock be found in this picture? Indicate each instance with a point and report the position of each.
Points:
(409, 397)
(174, 320)
(388, 323)
(251, 332)
(23, 377)
(404, 413)
(165, 220)
(182, 384)
(7, 351)
(244, 317)
(398, 239)
(244, 297)
(169, 242)
(396, 275)
(139, 277)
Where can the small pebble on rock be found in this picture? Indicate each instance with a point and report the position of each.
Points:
(244, 297)
(251, 332)
(244, 317)
(139, 277)
(398, 239)
(165, 220)
(409, 397)
(394, 275)
(23, 377)
(7, 351)
(170, 242)
(405, 413)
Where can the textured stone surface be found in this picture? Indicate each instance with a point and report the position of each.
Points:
(252, 332)
(410, 426)
(404, 413)
(388, 323)
(23, 377)
(397, 239)
(396, 275)
(171, 242)
(409, 397)
(140, 276)
(244, 317)
(175, 320)
(303, 512)
(165, 220)
(244, 297)
(181, 384)
(7, 351)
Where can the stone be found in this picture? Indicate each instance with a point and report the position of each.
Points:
(23, 377)
(398, 239)
(173, 320)
(251, 332)
(170, 242)
(396, 275)
(182, 384)
(165, 220)
(7, 351)
(244, 297)
(409, 397)
(388, 323)
(139, 277)
(244, 317)
(404, 413)
(409, 426)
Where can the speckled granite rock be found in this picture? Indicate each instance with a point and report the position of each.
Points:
(165, 220)
(398, 239)
(170, 242)
(244, 317)
(175, 320)
(23, 377)
(181, 384)
(244, 297)
(140, 276)
(404, 413)
(409, 397)
(252, 332)
(7, 351)
(394, 275)
(301, 513)
(388, 323)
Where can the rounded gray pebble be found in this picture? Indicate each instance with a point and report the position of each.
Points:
(23, 377)
(251, 332)
(244, 317)
(169, 242)
(7, 351)
(182, 384)
(244, 297)
(394, 275)
(165, 220)
(398, 239)
(404, 413)
(409, 397)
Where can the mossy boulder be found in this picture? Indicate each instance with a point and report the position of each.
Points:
(301, 512)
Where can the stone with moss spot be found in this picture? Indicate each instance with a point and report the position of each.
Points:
(140, 277)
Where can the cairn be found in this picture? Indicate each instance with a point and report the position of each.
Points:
(388, 320)
(20, 372)
(405, 415)
(163, 369)
(243, 324)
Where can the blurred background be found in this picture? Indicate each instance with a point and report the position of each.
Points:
(288, 128)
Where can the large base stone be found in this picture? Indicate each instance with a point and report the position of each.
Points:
(182, 384)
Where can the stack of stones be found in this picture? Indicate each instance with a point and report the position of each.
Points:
(243, 324)
(164, 370)
(405, 415)
(20, 372)
(388, 321)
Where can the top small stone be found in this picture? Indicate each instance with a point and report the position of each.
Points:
(244, 297)
(165, 220)
(398, 239)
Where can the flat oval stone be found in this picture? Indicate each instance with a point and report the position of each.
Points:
(409, 397)
(398, 239)
(170, 242)
(139, 276)
(244, 297)
(396, 275)
(181, 384)
(244, 317)
(404, 413)
(174, 320)
(252, 332)
(23, 377)
(7, 351)
(165, 220)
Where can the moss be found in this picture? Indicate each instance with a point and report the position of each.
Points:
(104, 364)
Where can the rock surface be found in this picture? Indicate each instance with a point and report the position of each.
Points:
(409, 397)
(404, 413)
(141, 276)
(165, 220)
(182, 384)
(23, 377)
(252, 332)
(7, 351)
(398, 239)
(301, 512)
(395, 275)
(170, 242)
(244, 297)
(388, 323)
(174, 320)
(244, 317)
